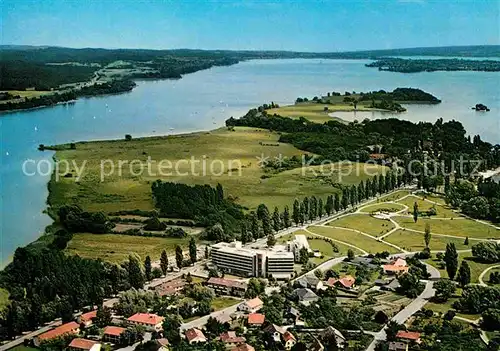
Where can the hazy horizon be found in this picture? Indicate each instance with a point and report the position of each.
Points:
(308, 26)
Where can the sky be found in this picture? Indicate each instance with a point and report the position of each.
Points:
(253, 25)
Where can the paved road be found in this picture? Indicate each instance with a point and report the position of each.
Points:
(403, 315)
(200, 322)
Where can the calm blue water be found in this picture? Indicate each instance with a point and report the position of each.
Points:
(202, 101)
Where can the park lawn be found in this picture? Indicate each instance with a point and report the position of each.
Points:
(448, 305)
(476, 268)
(413, 241)
(23, 348)
(235, 166)
(116, 248)
(364, 223)
(383, 206)
(359, 240)
(4, 298)
(394, 196)
(221, 302)
(320, 244)
(442, 211)
(458, 227)
(486, 277)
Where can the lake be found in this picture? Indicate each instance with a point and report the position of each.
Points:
(203, 101)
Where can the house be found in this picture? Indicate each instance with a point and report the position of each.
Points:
(392, 286)
(364, 261)
(396, 267)
(251, 306)
(275, 331)
(256, 319)
(309, 281)
(163, 344)
(289, 340)
(398, 346)
(408, 336)
(85, 319)
(112, 334)
(84, 344)
(292, 314)
(243, 347)
(171, 287)
(151, 321)
(223, 286)
(195, 335)
(230, 339)
(330, 333)
(305, 296)
(68, 328)
(346, 282)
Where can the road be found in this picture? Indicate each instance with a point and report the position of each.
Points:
(200, 322)
(419, 302)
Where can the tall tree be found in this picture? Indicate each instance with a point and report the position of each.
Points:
(245, 235)
(345, 198)
(329, 205)
(135, 274)
(313, 208)
(267, 227)
(103, 317)
(207, 252)
(276, 219)
(353, 196)
(415, 212)
(255, 226)
(381, 184)
(262, 211)
(179, 256)
(192, 250)
(336, 203)
(305, 208)
(164, 262)
(296, 212)
(302, 213)
(147, 268)
(220, 193)
(451, 260)
(427, 235)
(361, 192)
(286, 217)
(320, 208)
(464, 275)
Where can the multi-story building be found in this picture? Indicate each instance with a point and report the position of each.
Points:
(233, 258)
(151, 321)
(223, 286)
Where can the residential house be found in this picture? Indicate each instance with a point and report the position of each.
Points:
(68, 328)
(84, 344)
(309, 281)
(289, 340)
(256, 319)
(195, 335)
(392, 286)
(85, 319)
(346, 282)
(364, 261)
(251, 306)
(243, 347)
(408, 336)
(293, 315)
(171, 287)
(398, 346)
(112, 334)
(151, 321)
(223, 286)
(162, 344)
(396, 267)
(305, 296)
(275, 331)
(330, 333)
(231, 340)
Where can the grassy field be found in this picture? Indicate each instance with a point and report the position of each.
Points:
(486, 278)
(116, 247)
(353, 238)
(25, 94)
(219, 303)
(442, 211)
(394, 196)
(458, 227)
(4, 298)
(384, 207)
(24, 348)
(236, 150)
(448, 305)
(364, 223)
(412, 241)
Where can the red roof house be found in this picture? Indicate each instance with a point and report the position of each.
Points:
(344, 282)
(68, 328)
(84, 344)
(408, 336)
(230, 337)
(149, 320)
(86, 318)
(243, 347)
(112, 334)
(195, 335)
(256, 319)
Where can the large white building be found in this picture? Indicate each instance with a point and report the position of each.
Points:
(233, 258)
(297, 244)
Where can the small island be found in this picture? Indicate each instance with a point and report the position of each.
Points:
(481, 107)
